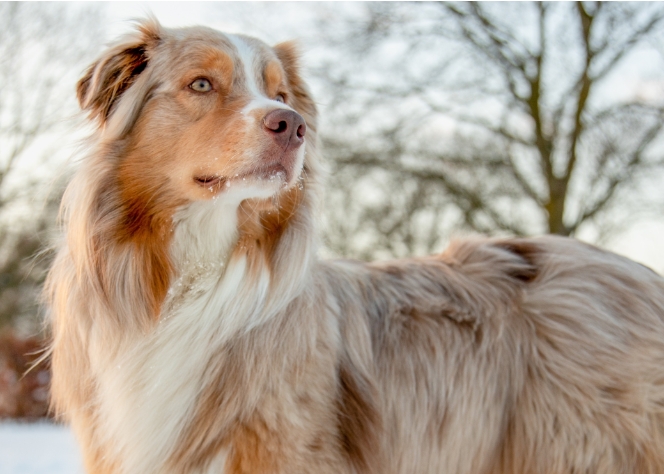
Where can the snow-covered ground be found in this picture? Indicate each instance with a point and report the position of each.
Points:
(38, 448)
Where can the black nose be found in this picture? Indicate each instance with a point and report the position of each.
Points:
(286, 127)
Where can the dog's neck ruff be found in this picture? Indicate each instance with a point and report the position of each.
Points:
(217, 293)
(209, 274)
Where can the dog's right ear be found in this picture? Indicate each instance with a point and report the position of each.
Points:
(110, 76)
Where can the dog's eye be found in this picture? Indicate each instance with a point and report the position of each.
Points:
(201, 85)
(280, 98)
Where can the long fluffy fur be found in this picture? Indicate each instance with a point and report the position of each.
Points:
(195, 331)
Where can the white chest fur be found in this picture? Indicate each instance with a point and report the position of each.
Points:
(148, 389)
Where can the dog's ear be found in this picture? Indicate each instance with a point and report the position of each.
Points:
(302, 100)
(110, 76)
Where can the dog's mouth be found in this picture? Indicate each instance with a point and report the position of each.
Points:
(275, 173)
(209, 181)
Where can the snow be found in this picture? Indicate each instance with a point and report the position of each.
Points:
(38, 448)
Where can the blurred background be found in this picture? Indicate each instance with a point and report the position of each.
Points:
(437, 120)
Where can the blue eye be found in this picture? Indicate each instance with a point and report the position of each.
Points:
(201, 85)
(280, 98)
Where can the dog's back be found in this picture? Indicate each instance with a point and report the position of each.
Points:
(512, 356)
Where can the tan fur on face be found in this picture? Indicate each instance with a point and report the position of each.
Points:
(273, 76)
(195, 331)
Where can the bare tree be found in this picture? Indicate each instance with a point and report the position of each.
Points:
(496, 118)
(43, 49)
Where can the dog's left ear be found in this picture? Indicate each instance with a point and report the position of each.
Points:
(109, 77)
(302, 100)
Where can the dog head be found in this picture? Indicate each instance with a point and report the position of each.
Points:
(201, 113)
(191, 122)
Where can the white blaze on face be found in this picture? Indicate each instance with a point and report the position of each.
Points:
(249, 63)
(252, 68)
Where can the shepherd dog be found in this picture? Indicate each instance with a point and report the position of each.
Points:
(195, 330)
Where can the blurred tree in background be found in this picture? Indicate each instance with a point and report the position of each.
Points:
(499, 118)
(44, 47)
